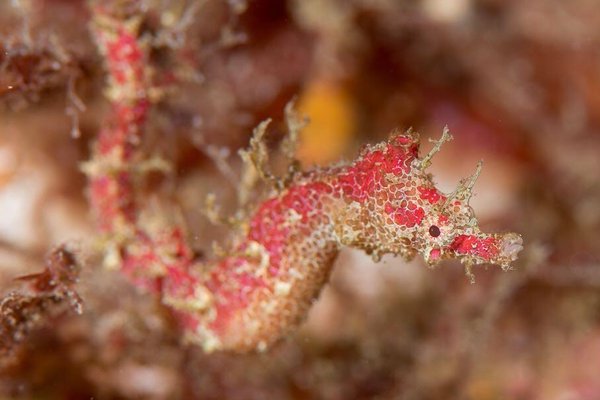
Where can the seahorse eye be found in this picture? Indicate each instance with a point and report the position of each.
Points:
(434, 231)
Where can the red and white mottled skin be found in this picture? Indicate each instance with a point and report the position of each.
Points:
(384, 202)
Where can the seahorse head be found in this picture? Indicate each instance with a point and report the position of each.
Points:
(393, 206)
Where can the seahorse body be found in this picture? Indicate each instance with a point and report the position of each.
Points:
(382, 203)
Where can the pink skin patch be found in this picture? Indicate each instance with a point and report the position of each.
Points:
(485, 248)
(360, 180)
(408, 217)
(432, 195)
(435, 254)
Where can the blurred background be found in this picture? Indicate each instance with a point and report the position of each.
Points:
(518, 84)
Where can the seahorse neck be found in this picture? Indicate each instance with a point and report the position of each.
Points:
(299, 220)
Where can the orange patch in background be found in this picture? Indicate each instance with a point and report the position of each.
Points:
(8, 164)
(332, 122)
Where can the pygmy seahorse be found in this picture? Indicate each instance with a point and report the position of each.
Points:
(384, 202)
